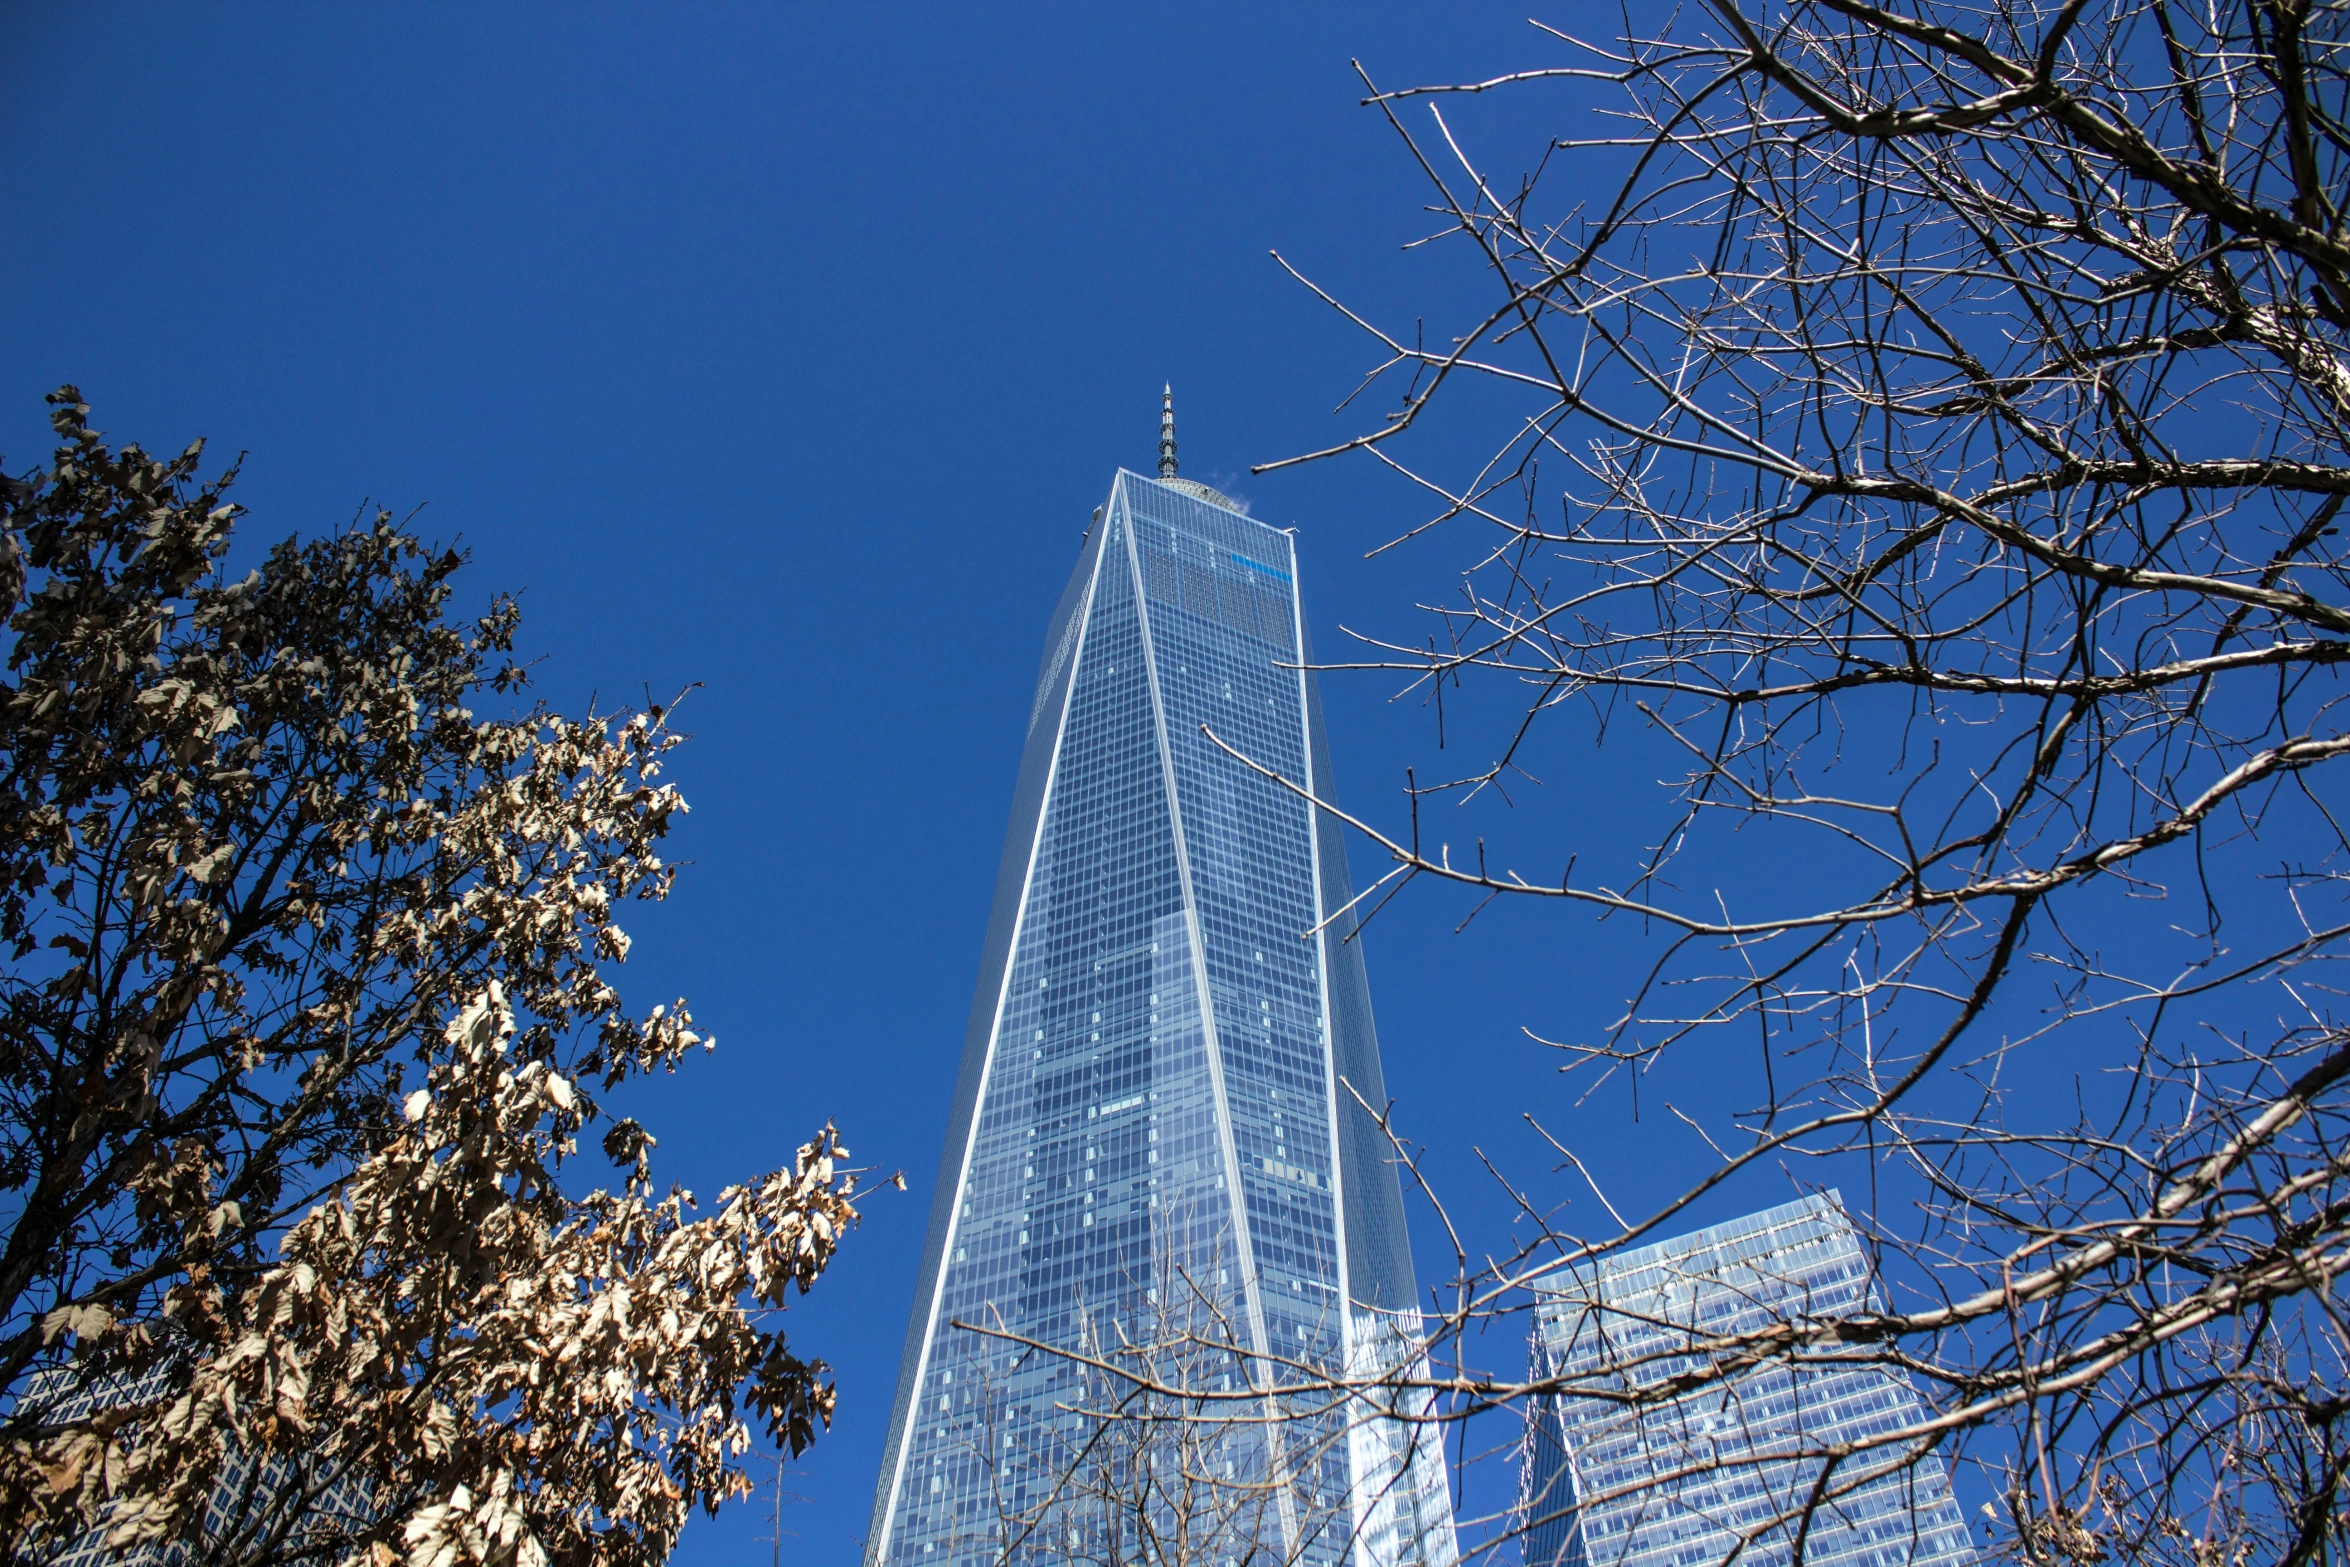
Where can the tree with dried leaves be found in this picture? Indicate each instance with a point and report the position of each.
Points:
(306, 1008)
(1926, 431)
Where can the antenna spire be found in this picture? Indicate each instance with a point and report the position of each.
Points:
(1167, 434)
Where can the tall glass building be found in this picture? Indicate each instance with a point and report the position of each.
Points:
(1157, 1160)
(1720, 1474)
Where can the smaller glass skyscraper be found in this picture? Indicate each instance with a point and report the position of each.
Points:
(1707, 1459)
(290, 1508)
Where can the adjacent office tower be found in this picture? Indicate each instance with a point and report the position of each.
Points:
(294, 1508)
(1683, 1483)
(1156, 1155)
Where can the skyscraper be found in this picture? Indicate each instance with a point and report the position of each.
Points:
(1688, 1481)
(293, 1506)
(1156, 1151)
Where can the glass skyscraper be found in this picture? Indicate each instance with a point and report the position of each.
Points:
(1156, 1158)
(290, 1508)
(1687, 1482)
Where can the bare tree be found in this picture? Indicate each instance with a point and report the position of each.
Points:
(1150, 1471)
(1931, 422)
(308, 988)
(778, 1499)
(1171, 1442)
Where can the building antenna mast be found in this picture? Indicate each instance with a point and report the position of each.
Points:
(1167, 434)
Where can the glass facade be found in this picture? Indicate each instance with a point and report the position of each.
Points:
(1699, 1480)
(1156, 1153)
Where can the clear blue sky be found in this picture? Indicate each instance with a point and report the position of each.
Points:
(786, 350)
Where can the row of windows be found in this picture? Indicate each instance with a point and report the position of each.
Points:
(1235, 599)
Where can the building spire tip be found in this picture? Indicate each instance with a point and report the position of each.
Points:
(1167, 432)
